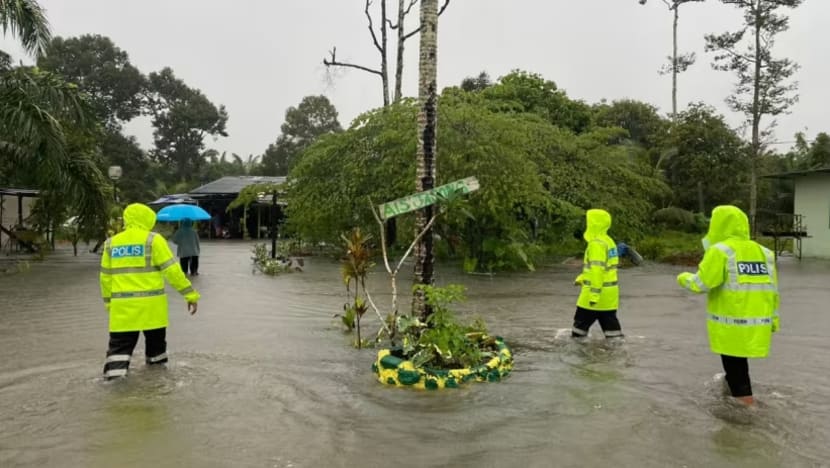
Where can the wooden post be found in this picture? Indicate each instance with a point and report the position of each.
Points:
(274, 224)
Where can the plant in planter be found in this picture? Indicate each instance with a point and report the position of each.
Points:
(273, 266)
(442, 352)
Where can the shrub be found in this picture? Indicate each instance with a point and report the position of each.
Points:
(678, 219)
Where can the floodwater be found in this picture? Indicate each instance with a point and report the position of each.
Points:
(262, 377)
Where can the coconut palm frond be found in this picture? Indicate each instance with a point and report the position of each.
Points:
(26, 20)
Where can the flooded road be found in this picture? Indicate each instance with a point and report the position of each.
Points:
(262, 377)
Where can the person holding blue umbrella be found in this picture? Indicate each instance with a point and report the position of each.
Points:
(186, 238)
(187, 247)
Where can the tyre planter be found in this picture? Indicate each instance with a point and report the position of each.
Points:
(399, 372)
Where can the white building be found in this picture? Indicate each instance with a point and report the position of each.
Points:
(812, 204)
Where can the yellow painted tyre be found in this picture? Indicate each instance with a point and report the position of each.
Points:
(399, 372)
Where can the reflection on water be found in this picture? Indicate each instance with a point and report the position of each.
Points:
(261, 377)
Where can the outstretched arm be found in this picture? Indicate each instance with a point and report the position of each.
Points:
(711, 273)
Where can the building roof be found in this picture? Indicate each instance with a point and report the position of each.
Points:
(234, 184)
(176, 198)
(795, 174)
(19, 192)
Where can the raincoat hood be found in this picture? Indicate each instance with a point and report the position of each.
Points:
(187, 224)
(728, 222)
(138, 216)
(598, 222)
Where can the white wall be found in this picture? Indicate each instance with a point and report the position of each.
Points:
(812, 200)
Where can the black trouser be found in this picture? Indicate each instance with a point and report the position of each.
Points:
(192, 262)
(584, 318)
(121, 348)
(737, 375)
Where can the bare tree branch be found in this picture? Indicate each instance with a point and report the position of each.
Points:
(416, 31)
(334, 63)
(408, 9)
(372, 27)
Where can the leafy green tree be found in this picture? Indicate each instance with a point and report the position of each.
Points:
(139, 177)
(182, 117)
(521, 92)
(477, 83)
(643, 123)
(314, 117)
(819, 155)
(101, 70)
(536, 180)
(763, 87)
(710, 160)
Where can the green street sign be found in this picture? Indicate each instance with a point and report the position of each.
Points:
(421, 199)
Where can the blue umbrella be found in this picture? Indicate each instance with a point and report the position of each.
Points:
(181, 212)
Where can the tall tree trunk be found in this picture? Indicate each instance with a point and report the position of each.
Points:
(427, 123)
(674, 71)
(756, 121)
(384, 61)
(401, 41)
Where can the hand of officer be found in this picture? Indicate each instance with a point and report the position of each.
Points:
(683, 279)
(192, 307)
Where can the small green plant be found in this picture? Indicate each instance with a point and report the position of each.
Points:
(273, 266)
(443, 342)
(354, 267)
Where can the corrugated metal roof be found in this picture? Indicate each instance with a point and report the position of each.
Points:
(235, 184)
(794, 174)
(20, 192)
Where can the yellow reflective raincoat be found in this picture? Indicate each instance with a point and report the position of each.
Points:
(599, 269)
(741, 282)
(134, 266)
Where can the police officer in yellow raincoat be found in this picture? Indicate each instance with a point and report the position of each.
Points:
(134, 265)
(740, 279)
(600, 294)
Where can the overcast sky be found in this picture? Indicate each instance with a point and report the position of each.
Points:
(258, 57)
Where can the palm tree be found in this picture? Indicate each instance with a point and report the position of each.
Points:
(427, 122)
(25, 19)
(39, 114)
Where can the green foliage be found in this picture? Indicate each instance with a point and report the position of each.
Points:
(443, 342)
(478, 83)
(708, 159)
(304, 124)
(102, 71)
(524, 92)
(673, 247)
(272, 266)
(46, 141)
(26, 20)
(678, 219)
(536, 179)
(643, 123)
(256, 192)
(182, 117)
(354, 268)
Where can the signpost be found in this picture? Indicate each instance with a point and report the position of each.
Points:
(421, 199)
